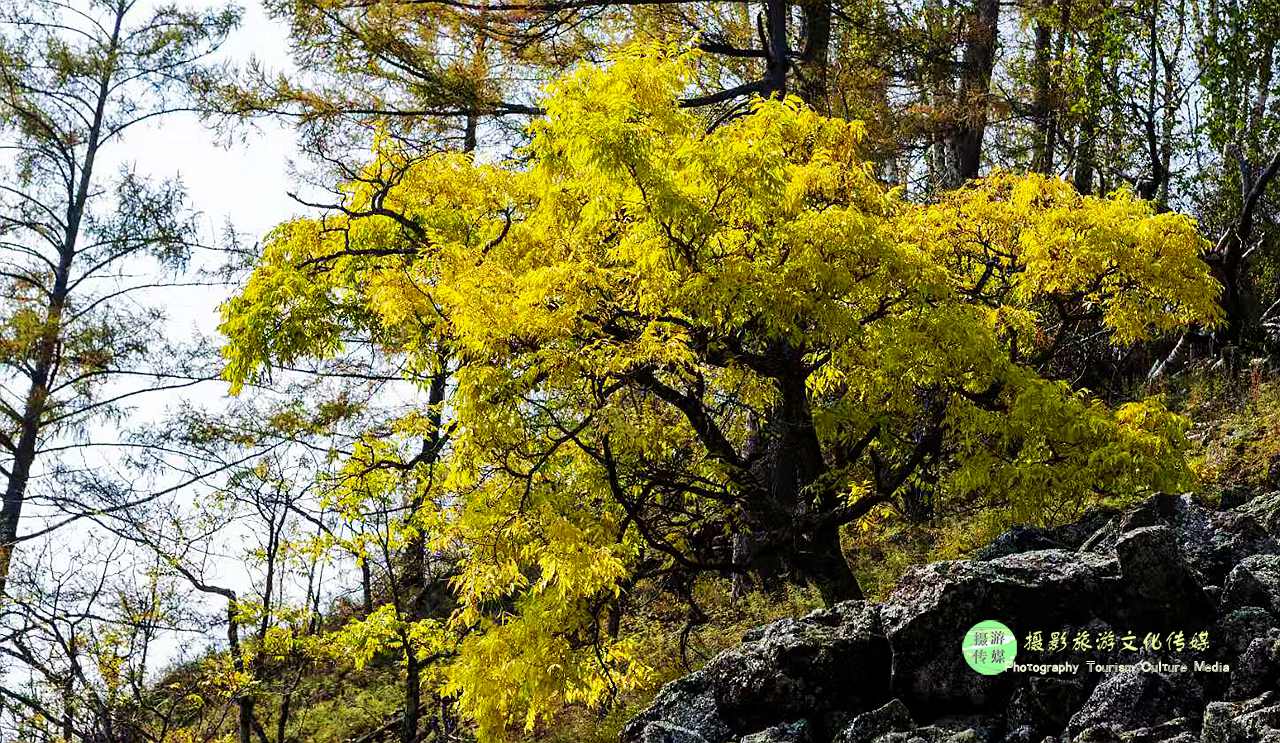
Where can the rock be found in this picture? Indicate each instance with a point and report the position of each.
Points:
(835, 659)
(685, 711)
(1211, 542)
(1017, 540)
(1044, 705)
(1258, 668)
(961, 729)
(1103, 541)
(793, 732)
(1254, 582)
(1237, 628)
(1075, 534)
(1254, 721)
(1239, 535)
(1133, 700)
(933, 606)
(1265, 509)
(1236, 496)
(1178, 730)
(1070, 536)
(1163, 591)
(869, 726)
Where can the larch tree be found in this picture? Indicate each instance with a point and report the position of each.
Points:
(667, 336)
(76, 342)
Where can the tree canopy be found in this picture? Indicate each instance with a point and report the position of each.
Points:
(673, 350)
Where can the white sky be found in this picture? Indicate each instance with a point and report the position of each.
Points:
(247, 181)
(242, 180)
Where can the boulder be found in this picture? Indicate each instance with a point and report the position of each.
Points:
(1265, 509)
(1043, 705)
(685, 711)
(1163, 591)
(869, 726)
(1031, 538)
(1178, 730)
(1017, 540)
(830, 660)
(1236, 629)
(1255, 581)
(1211, 542)
(1258, 668)
(928, 614)
(1256, 720)
(793, 732)
(1134, 700)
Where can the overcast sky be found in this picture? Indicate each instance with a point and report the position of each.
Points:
(246, 183)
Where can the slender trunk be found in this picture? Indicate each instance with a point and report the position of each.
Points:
(1086, 150)
(975, 87)
(366, 586)
(940, 95)
(47, 345)
(812, 68)
(412, 699)
(778, 52)
(244, 702)
(416, 581)
(282, 723)
(68, 702)
(1042, 101)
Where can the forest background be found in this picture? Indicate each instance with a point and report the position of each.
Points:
(585, 333)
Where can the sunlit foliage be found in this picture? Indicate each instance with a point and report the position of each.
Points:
(660, 336)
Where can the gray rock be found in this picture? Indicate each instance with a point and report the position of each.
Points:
(1254, 582)
(1017, 540)
(1044, 705)
(1236, 496)
(1237, 628)
(1070, 536)
(1163, 591)
(1258, 668)
(871, 726)
(1179, 730)
(835, 659)
(685, 711)
(793, 732)
(1211, 542)
(961, 729)
(1103, 541)
(933, 606)
(1134, 700)
(1254, 721)
(1075, 534)
(1266, 510)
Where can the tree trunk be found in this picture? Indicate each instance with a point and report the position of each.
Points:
(813, 65)
(1086, 149)
(46, 346)
(244, 702)
(412, 699)
(975, 86)
(778, 50)
(1043, 112)
(366, 586)
(810, 553)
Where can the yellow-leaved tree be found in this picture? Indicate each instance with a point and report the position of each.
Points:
(673, 351)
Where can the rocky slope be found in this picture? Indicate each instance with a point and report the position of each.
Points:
(894, 672)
